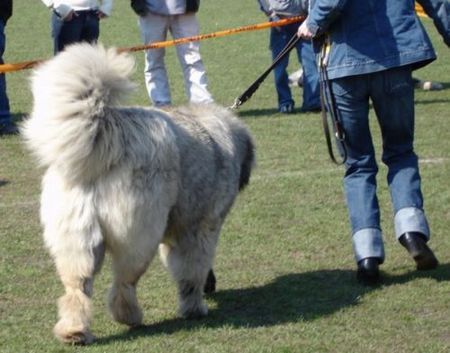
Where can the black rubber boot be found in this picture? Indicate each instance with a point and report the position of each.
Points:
(416, 245)
(368, 271)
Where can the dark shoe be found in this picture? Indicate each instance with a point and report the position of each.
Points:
(287, 108)
(210, 285)
(416, 245)
(368, 272)
(8, 129)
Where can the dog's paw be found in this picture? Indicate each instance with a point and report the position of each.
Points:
(126, 313)
(124, 307)
(192, 313)
(74, 337)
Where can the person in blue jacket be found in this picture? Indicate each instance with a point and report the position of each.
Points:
(373, 47)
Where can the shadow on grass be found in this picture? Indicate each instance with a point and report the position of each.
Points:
(257, 113)
(3, 182)
(445, 85)
(431, 101)
(440, 274)
(289, 298)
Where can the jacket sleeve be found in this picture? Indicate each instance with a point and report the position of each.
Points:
(439, 11)
(264, 6)
(322, 13)
(106, 7)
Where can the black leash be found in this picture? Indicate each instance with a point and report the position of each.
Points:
(330, 113)
(327, 100)
(244, 97)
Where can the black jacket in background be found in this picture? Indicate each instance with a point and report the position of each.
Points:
(5, 10)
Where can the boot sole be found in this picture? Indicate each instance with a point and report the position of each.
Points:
(424, 258)
(426, 261)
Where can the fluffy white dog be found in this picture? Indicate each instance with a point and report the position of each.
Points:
(128, 180)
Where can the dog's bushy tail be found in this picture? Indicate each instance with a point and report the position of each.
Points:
(72, 125)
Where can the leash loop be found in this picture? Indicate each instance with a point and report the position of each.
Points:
(329, 109)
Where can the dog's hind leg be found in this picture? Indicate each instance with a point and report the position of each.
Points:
(77, 261)
(75, 240)
(189, 257)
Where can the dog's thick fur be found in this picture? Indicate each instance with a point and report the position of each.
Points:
(128, 180)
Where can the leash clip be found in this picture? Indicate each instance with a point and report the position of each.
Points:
(237, 103)
(340, 135)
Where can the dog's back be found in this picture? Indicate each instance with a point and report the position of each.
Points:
(78, 127)
(216, 154)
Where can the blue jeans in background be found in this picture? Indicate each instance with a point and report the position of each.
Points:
(279, 38)
(392, 95)
(83, 27)
(5, 115)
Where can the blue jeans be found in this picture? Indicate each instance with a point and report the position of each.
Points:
(82, 27)
(279, 37)
(5, 115)
(392, 96)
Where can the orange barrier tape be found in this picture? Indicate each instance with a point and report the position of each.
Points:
(420, 11)
(30, 64)
(255, 27)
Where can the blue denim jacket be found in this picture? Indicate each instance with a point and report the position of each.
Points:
(373, 35)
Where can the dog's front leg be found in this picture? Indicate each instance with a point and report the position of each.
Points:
(129, 264)
(123, 303)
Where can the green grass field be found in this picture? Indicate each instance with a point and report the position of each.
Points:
(285, 267)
